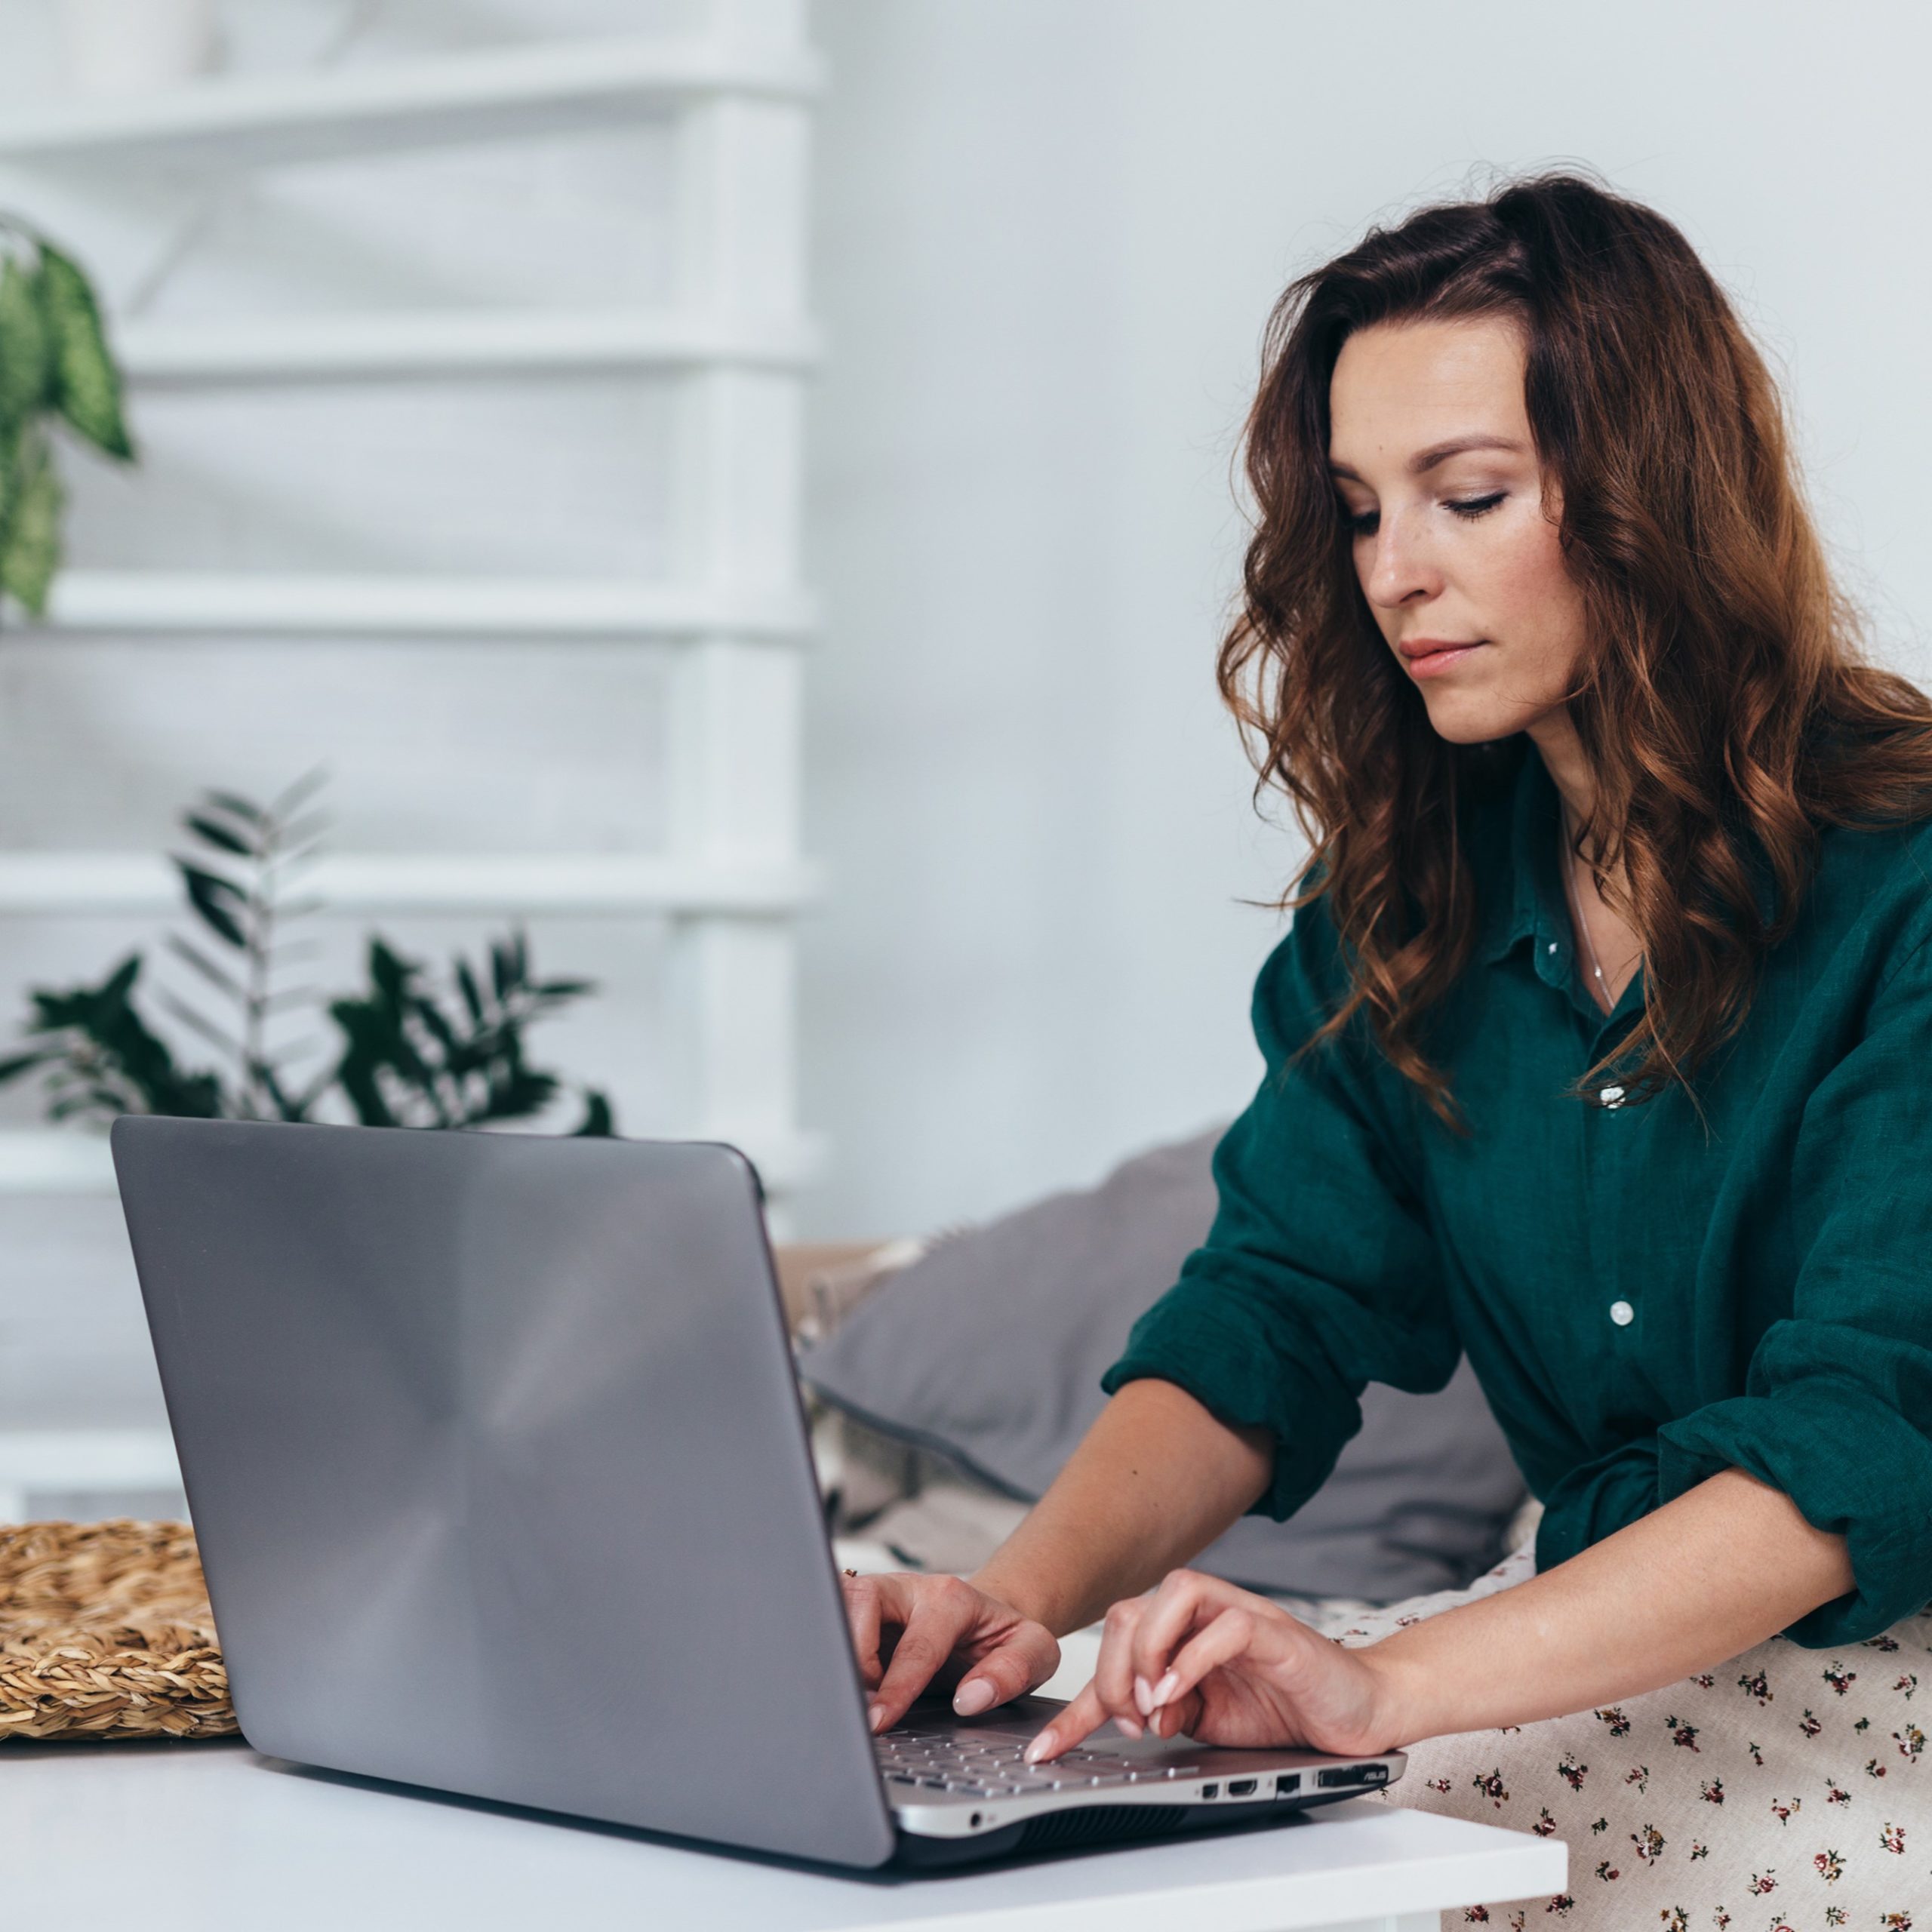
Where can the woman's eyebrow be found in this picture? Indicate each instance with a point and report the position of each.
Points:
(1424, 460)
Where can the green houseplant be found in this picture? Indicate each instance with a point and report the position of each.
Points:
(55, 370)
(408, 1053)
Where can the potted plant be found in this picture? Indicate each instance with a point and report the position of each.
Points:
(55, 373)
(408, 1053)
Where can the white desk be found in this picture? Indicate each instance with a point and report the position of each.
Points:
(210, 1837)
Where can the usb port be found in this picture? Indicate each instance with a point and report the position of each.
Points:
(1287, 1782)
(1242, 1788)
(1353, 1774)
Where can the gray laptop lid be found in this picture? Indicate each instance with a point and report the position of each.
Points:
(497, 1465)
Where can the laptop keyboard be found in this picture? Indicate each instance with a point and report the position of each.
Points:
(946, 1760)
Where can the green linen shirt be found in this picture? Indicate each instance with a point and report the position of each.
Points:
(1644, 1306)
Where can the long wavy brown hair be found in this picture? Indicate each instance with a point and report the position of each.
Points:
(1725, 699)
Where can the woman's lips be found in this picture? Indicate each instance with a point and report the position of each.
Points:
(1431, 663)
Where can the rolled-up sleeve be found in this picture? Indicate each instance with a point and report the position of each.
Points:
(1319, 1273)
(1836, 1407)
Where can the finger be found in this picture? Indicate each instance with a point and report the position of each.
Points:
(1113, 1669)
(1083, 1715)
(1227, 1636)
(940, 1615)
(1178, 1714)
(861, 1609)
(1030, 1656)
(1186, 1601)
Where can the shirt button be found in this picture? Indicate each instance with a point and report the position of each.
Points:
(1611, 1096)
(1552, 945)
(1623, 1314)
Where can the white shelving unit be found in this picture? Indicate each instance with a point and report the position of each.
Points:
(205, 602)
(451, 343)
(756, 55)
(737, 342)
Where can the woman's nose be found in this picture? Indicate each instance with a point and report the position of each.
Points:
(1401, 568)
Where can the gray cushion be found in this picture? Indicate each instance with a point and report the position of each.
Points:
(989, 1349)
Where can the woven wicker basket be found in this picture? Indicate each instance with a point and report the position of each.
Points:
(105, 1631)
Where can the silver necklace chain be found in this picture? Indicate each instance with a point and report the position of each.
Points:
(1577, 900)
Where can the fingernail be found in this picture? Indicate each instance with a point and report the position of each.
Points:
(1144, 1695)
(1039, 1748)
(1127, 1727)
(974, 1696)
(874, 1716)
(1166, 1688)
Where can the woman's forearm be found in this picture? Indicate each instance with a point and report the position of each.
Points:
(1157, 1478)
(1713, 1573)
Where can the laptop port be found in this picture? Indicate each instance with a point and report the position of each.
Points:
(1287, 1782)
(1210, 1791)
(1346, 1774)
(1242, 1788)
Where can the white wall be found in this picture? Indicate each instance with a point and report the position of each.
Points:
(1049, 230)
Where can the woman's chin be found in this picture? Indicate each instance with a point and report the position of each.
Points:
(1464, 719)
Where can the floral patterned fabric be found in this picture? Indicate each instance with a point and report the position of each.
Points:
(1786, 1790)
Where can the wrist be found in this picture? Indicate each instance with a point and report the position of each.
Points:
(1405, 1697)
(1019, 1593)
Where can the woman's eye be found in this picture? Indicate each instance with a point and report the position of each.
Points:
(1361, 524)
(1474, 506)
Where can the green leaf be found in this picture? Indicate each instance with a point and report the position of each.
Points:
(440, 1030)
(27, 361)
(390, 973)
(299, 833)
(466, 982)
(87, 384)
(20, 1063)
(30, 539)
(207, 1028)
(363, 1032)
(517, 1097)
(287, 1105)
(100, 1044)
(205, 894)
(216, 834)
(298, 794)
(216, 976)
(236, 805)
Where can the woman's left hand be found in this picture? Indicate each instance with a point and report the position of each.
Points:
(1227, 1667)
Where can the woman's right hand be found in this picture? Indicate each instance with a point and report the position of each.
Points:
(911, 1629)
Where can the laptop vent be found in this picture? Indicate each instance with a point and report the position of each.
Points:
(1094, 1824)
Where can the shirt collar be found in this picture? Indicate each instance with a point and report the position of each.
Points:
(1514, 903)
(1530, 903)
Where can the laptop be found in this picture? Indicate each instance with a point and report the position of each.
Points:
(501, 1479)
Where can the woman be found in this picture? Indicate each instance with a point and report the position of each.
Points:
(1596, 1049)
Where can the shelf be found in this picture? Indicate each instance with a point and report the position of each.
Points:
(72, 1160)
(58, 1459)
(58, 881)
(330, 605)
(453, 343)
(271, 120)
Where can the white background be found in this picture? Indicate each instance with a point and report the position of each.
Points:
(1050, 233)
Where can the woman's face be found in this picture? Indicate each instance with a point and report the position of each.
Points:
(1454, 532)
